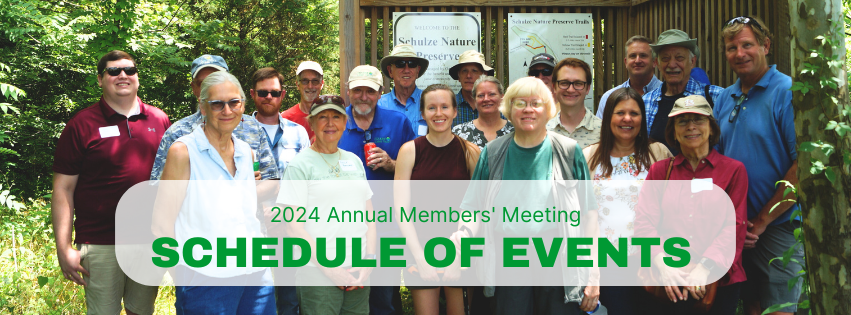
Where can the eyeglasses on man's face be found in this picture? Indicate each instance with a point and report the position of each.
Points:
(564, 84)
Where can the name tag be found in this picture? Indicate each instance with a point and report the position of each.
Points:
(701, 184)
(348, 166)
(111, 131)
(422, 130)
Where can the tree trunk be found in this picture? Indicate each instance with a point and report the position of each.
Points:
(823, 196)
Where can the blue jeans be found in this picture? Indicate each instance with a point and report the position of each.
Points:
(224, 299)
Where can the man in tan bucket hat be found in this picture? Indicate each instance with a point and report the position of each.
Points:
(470, 66)
(404, 67)
(676, 55)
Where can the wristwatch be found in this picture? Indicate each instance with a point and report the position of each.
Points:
(466, 229)
(707, 263)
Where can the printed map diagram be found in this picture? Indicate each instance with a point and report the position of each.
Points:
(532, 42)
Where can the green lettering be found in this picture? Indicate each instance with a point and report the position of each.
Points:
(507, 217)
(683, 255)
(289, 243)
(357, 255)
(409, 216)
(222, 252)
(646, 243)
(605, 249)
(573, 251)
(428, 251)
(467, 252)
(160, 248)
(387, 252)
(508, 251)
(548, 259)
(187, 252)
(257, 252)
(322, 253)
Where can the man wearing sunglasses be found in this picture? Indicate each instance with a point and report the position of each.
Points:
(104, 150)
(572, 81)
(249, 130)
(641, 67)
(758, 128)
(541, 67)
(284, 137)
(676, 55)
(309, 84)
(404, 67)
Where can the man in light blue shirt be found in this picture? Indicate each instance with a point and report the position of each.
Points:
(640, 63)
(404, 67)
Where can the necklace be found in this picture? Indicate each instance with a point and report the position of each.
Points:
(332, 168)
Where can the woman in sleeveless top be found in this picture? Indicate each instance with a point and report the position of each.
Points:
(439, 155)
(618, 165)
(211, 152)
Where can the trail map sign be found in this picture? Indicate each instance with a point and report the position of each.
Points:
(440, 37)
(562, 35)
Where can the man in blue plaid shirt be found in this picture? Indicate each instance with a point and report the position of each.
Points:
(676, 56)
(471, 65)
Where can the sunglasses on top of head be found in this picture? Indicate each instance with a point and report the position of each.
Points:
(744, 20)
(115, 71)
(410, 63)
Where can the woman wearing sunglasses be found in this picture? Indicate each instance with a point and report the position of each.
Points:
(618, 164)
(488, 92)
(679, 210)
(323, 178)
(439, 155)
(211, 154)
(523, 169)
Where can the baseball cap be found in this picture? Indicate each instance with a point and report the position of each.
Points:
(694, 104)
(208, 61)
(365, 75)
(309, 65)
(324, 102)
(543, 58)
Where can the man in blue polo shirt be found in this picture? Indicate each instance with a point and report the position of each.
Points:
(388, 129)
(758, 128)
(404, 67)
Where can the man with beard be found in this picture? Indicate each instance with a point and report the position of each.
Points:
(309, 84)
(248, 130)
(285, 137)
(404, 67)
(676, 56)
(388, 130)
(640, 65)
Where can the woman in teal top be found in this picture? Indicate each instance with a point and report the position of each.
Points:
(540, 159)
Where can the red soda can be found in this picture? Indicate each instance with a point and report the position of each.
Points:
(366, 148)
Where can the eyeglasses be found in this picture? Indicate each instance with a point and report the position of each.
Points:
(536, 72)
(735, 112)
(564, 84)
(264, 93)
(115, 71)
(218, 106)
(744, 20)
(310, 82)
(698, 121)
(410, 63)
(489, 95)
(521, 104)
(328, 99)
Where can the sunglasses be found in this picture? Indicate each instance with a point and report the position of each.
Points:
(264, 93)
(410, 63)
(328, 99)
(536, 72)
(745, 20)
(218, 106)
(115, 71)
(737, 108)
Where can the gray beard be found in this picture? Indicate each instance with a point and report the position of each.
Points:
(362, 113)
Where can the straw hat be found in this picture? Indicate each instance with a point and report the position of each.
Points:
(674, 37)
(399, 52)
(470, 56)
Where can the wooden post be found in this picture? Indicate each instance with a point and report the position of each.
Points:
(351, 41)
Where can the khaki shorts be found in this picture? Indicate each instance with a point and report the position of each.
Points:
(107, 284)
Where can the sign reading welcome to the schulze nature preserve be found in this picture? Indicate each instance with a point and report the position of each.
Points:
(440, 37)
(562, 35)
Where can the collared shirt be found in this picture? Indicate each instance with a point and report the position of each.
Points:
(655, 83)
(109, 152)
(466, 112)
(294, 114)
(248, 130)
(585, 134)
(292, 140)
(761, 136)
(651, 100)
(411, 109)
(388, 130)
(695, 216)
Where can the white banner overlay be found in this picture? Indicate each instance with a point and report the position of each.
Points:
(524, 233)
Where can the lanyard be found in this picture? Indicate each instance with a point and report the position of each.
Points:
(278, 135)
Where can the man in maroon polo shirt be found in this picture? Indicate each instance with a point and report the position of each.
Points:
(104, 150)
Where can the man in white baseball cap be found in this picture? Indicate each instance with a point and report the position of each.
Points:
(309, 84)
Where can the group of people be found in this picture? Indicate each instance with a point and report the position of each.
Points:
(740, 138)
